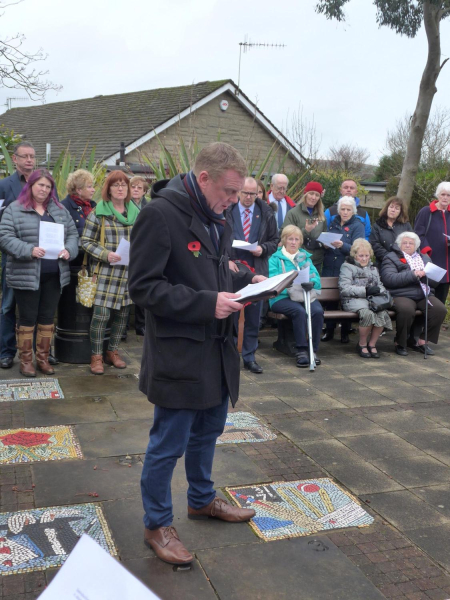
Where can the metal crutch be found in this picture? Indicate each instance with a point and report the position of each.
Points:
(307, 287)
(426, 316)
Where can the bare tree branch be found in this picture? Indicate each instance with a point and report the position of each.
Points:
(347, 157)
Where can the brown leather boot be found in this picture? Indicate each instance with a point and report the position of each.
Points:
(97, 364)
(167, 546)
(112, 358)
(25, 346)
(219, 509)
(43, 342)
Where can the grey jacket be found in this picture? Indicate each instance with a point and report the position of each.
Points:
(353, 280)
(19, 234)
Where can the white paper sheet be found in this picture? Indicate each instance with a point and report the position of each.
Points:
(303, 276)
(326, 238)
(123, 250)
(2, 202)
(51, 238)
(90, 573)
(434, 272)
(254, 289)
(241, 245)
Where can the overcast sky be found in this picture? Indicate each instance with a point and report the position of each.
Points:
(353, 79)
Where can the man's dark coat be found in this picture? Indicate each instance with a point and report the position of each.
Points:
(186, 349)
(264, 230)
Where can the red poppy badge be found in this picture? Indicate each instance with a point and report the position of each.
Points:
(403, 260)
(346, 228)
(194, 247)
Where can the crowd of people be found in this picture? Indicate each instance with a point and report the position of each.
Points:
(185, 275)
(368, 260)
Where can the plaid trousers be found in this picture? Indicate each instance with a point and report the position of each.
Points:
(100, 318)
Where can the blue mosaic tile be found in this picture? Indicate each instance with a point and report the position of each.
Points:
(23, 389)
(243, 427)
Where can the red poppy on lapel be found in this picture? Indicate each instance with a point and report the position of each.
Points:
(403, 260)
(194, 247)
(346, 228)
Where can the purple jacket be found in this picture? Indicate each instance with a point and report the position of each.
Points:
(433, 242)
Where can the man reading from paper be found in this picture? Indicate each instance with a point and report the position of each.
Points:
(179, 273)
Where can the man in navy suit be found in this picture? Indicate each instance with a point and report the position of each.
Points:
(277, 193)
(24, 157)
(253, 221)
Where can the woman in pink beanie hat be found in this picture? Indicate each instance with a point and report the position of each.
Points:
(309, 217)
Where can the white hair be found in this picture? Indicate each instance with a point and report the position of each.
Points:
(411, 235)
(276, 176)
(347, 200)
(444, 186)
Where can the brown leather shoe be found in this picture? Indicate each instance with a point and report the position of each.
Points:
(97, 364)
(43, 341)
(113, 358)
(167, 546)
(219, 509)
(25, 346)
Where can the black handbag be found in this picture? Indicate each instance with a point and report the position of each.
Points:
(382, 301)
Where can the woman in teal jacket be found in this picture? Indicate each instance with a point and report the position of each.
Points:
(287, 258)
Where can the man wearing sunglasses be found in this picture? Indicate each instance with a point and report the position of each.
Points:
(252, 220)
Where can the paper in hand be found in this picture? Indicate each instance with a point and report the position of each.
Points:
(2, 202)
(241, 245)
(434, 272)
(51, 238)
(123, 250)
(303, 276)
(269, 288)
(326, 238)
(90, 573)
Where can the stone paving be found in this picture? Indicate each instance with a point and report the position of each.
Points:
(380, 429)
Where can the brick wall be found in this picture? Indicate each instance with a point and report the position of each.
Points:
(236, 126)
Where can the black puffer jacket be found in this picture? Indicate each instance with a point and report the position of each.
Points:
(383, 236)
(398, 278)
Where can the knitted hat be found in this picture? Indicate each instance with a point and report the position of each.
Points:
(313, 186)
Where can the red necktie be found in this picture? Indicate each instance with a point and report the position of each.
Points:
(246, 224)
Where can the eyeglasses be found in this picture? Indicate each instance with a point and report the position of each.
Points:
(251, 194)
(32, 156)
(280, 188)
(119, 185)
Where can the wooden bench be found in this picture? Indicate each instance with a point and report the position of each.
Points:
(330, 293)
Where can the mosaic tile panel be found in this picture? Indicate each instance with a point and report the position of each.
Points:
(295, 508)
(38, 444)
(38, 539)
(24, 389)
(244, 427)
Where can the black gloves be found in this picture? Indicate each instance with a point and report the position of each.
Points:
(372, 290)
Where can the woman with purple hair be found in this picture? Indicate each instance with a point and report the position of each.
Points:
(36, 280)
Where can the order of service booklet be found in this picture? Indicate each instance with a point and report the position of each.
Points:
(90, 573)
(269, 288)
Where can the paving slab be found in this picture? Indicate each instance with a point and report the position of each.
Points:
(438, 414)
(369, 380)
(381, 446)
(319, 401)
(62, 483)
(405, 420)
(114, 438)
(408, 394)
(435, 542)
(132, 406)
(294, 571)
(361, 398)
(347, 425)
(405, 510)
(170, 584)
(437, 496)
(435, 442)
(69, 411)
(268, 406)
(96, 385)
(414, 471)
(298, 429)
(349, 468)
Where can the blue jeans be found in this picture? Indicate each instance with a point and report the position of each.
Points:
(296, 311)
(176, 432)
(7, 317)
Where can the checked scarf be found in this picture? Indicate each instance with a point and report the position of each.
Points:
(85, 205)
(415, 263)
(213, 222)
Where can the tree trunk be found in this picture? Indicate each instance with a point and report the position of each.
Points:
(432, 14)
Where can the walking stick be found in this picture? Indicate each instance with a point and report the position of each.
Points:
(307, 287)
(426, 316)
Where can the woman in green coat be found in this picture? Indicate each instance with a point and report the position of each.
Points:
(309, 217)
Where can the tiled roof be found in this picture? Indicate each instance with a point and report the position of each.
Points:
(102, 121)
